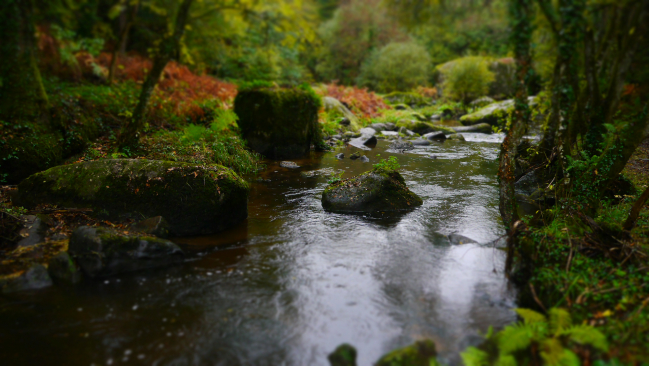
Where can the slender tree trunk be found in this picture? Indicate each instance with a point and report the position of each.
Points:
(22, 95)
(120, 46)
(520, 14)
(169, 47)
(635, 211)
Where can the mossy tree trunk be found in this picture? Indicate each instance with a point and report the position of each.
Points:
(521, 14)
(120, 45)
(169, 47)
(22, 95)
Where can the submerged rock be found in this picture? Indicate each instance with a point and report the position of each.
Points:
(421, 353)
(374, 191)
(355, 155)
(103, 252)
(343, 355)
(279, 123)
(156, 226)
(340, 156)
(288, 165)
(194, 199)
(365, 159)
(401, 145)
(34, 278)
(460, 239)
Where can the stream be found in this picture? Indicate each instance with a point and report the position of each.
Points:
(292, 282)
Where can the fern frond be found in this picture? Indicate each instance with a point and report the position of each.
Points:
(559, 320)
(530, 316)
(587, 335)
(508, 360)
(515, 338)
(569, 358)
(551, 352)
(475, 357)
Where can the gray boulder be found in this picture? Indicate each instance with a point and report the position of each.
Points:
(435, 136)
(34, 229)
(457, 137)
(102, 252)
(420, 142)
(34, 278)
(375, 191)
(194, 199)
(527, 184)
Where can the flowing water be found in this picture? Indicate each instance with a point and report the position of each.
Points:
(292, 282)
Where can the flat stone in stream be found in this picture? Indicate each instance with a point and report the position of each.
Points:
(375, 191)
(194, 199)
(288, 165)
(103, 252)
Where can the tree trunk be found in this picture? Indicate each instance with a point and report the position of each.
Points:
(120, 46)
(635, 211)
(130, 134)
(22, 95)
(520, 13)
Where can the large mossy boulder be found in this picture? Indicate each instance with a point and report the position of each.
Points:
(378, 190)
(494, 114)
(279, 123)
(194, 199)
(103, 252)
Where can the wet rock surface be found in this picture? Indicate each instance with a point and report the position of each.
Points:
(34, 278)
(156, 226)
(373, 191)
(103, 252)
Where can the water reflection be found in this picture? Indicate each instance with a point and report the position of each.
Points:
(293, 282)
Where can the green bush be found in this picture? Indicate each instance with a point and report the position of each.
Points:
(396, 67)
(467, 79)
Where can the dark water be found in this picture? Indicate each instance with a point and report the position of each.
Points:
(293, 282)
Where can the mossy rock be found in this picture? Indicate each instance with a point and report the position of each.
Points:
(423, 128)
(334, 106)
(421, 353)
(343, 355)
(103, 252)
(480, 127)
(374, 191)
(410, 99)
(494, 114)
(194, 199)
(279, 123)
(25, 152)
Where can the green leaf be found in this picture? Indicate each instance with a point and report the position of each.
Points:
(530, 316)
(475, 357)
(515, 338)
(559, 320)
(587, 335)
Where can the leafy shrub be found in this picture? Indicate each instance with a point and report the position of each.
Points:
(467, 78)
(412, 99)
(536, 338)
(391, 164)
(396, 67)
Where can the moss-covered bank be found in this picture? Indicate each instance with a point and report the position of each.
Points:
(193, 199)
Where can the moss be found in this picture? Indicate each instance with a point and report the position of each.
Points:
(343, 355)
(421, 353)
(378, 190)
(279, 122)
(193, 199)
